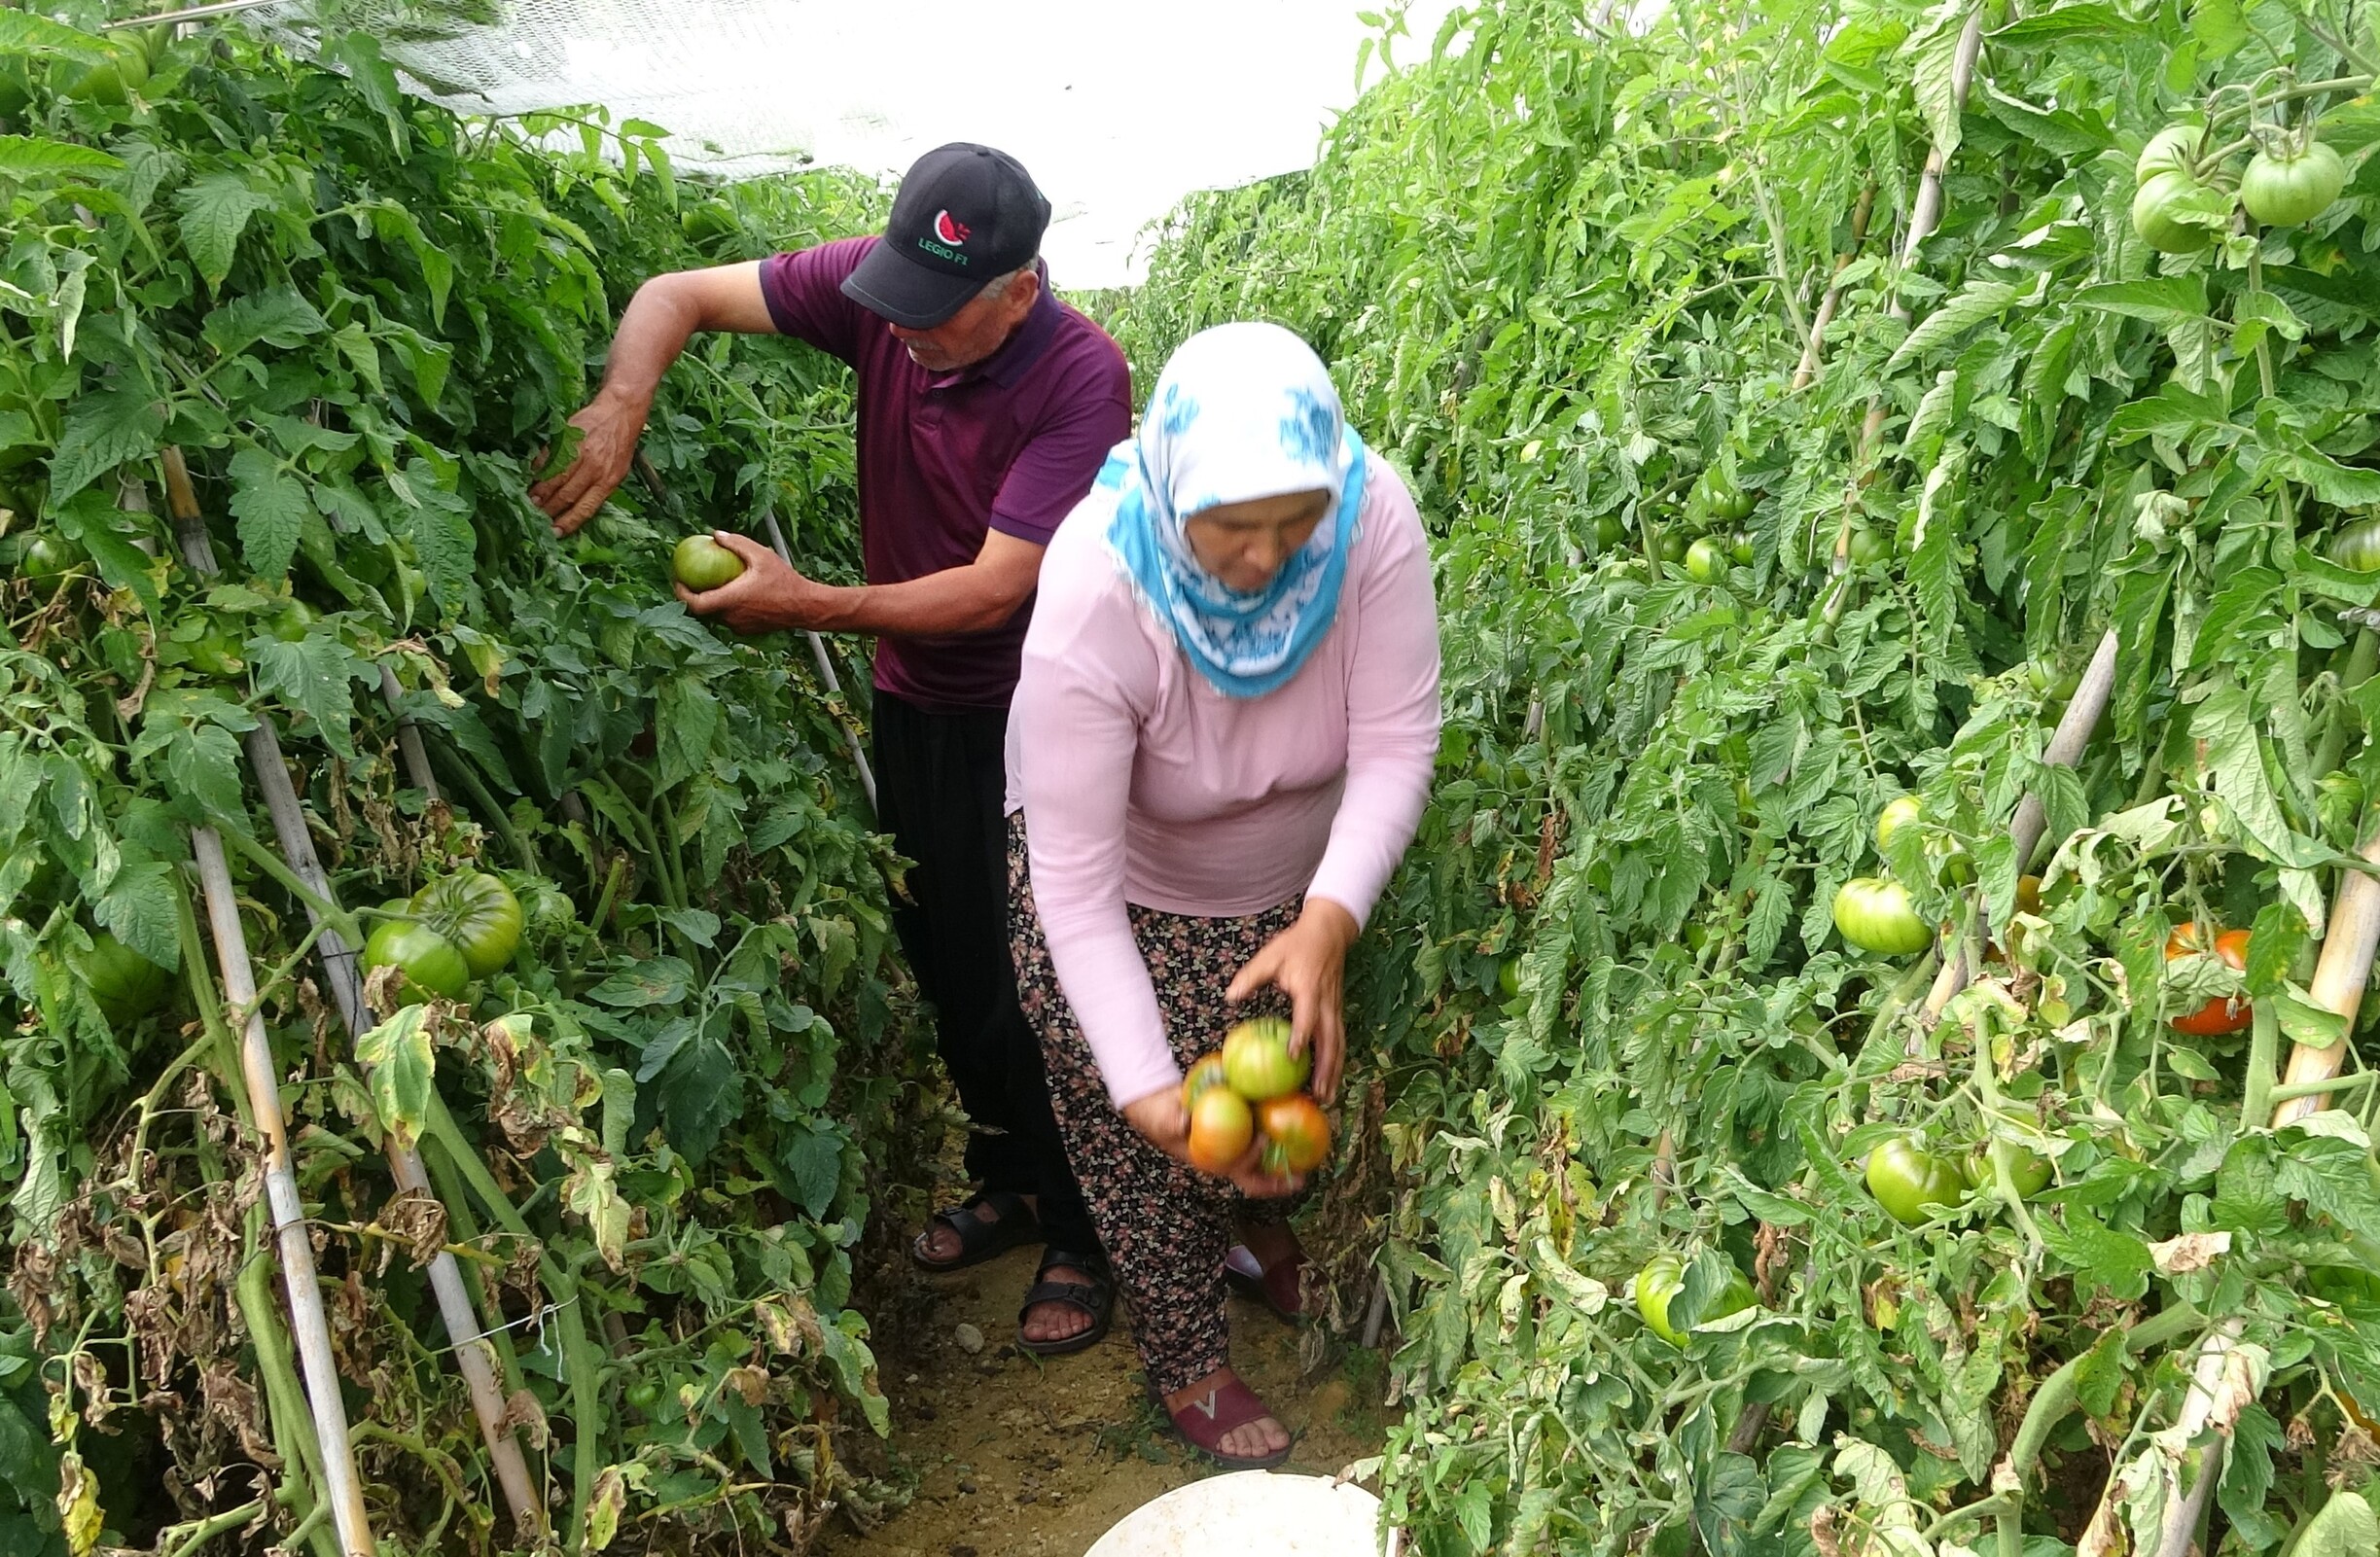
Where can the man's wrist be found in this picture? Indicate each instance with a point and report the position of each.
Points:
(626, 401)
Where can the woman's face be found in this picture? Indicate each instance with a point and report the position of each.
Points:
(1243, 544)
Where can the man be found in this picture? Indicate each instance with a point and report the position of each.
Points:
(986, 408)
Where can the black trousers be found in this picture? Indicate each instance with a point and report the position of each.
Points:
(939, 786)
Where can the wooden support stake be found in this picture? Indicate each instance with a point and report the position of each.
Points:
(2338, 981)
(341, 1487)
(473, 1357)
(2083, 711)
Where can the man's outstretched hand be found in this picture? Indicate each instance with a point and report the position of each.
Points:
(611, 426)
(768, 596)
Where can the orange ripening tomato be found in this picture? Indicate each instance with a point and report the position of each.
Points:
(1296, 1134)
(1219, 1130)
(2222, 1015)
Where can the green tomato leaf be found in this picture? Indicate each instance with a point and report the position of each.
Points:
(277, 317)
(138, 907)
(271, 506)
(103, 429)
(317, 677)
(403, 1071)
(215, 210)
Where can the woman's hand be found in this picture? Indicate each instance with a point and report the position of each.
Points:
(1308, 962)
(1162, 1119)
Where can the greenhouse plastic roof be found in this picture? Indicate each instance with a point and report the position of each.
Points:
(1118, 107)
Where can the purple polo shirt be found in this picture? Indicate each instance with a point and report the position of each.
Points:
(1010, 445)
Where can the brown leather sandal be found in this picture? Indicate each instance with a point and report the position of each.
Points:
(1282, 1288)
(1206, 1420)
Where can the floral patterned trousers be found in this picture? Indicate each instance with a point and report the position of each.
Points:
(1166, 1226)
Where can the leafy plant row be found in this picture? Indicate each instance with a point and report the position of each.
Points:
(1801, 394)
(353, 318)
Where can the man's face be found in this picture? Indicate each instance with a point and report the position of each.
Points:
(973, 333)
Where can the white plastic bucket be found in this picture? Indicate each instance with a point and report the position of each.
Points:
(1251, 1513)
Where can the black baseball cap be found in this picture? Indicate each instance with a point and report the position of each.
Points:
(966, 215)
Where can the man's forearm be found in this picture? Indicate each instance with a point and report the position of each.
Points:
(955, 600)
(653, 332)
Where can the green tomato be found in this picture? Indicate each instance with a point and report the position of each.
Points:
(2028, 1170)
(1610, 531)
(1658, 1285)
(1910, 1182)
(110, 81)
(2357, 546)
(1718, 495)
(1508, 978)
(1739, 547)
(2288, 188)
(1705, 562)
(291, 621)
(702, 564)
(475, 913)
(429, 960)
(127, 985)
(216, 652)
(1898, 813)
(47, 558)
(2171, 149)
(2154, 218)
(1868, 546)
(644, 1394)
(1257, 1063)
(1875, 915)
(1672, 546)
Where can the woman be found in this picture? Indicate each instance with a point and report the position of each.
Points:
(1221, 745)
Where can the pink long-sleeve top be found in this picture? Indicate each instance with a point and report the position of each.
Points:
(1142, 784)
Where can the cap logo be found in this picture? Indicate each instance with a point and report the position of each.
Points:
(949, 232)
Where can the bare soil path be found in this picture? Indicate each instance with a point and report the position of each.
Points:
(1019, 1457)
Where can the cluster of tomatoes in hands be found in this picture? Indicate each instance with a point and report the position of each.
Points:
(1250, 1096)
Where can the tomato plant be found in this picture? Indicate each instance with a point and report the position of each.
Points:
(668, 1074)
(2026, 431)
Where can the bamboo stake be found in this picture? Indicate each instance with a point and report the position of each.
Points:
(2338, 981)
(1927, 215)
(2083, 712)
(341, 1488)
(1814, 349)
(1923, 217)
(472, 1357)
(409, 737)
(825, 666)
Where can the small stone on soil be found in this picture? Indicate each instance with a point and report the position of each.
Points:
(969, 1338)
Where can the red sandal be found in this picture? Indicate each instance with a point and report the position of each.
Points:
(1280, 1289)
(1207, 1420)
